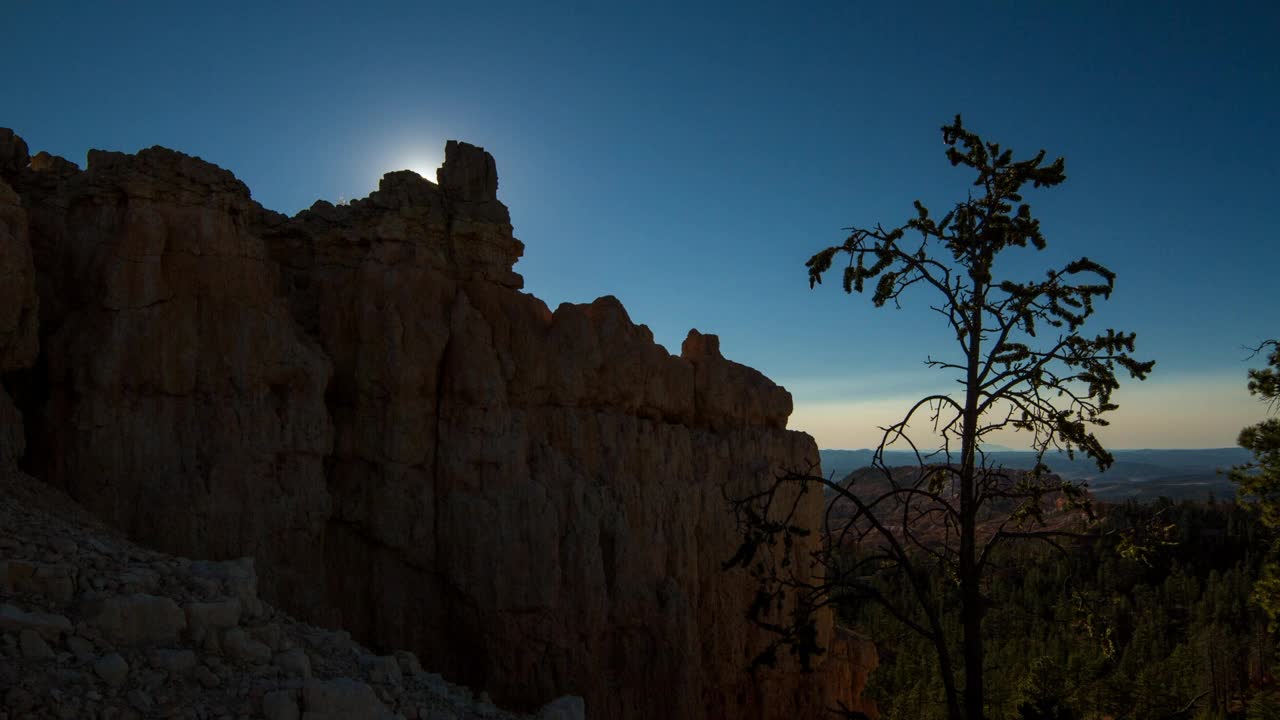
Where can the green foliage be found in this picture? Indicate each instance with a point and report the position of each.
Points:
(1265, 706)
(1259, 481)
(1015, 369)
(1045, 692)
(1092, 635)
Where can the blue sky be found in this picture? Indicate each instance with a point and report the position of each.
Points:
(690, 159)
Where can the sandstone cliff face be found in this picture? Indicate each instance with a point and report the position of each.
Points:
(184, 405)
(362, 398)
(18, 304)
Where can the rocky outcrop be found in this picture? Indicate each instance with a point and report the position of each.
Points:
(93, 626)
(361, 398)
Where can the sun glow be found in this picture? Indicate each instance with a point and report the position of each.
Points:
(423, 163)
(416, 154)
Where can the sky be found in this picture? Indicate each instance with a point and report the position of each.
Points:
(689, 157)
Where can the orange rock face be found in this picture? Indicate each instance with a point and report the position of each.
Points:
(183, 402)
(361, 398)
(18, 303)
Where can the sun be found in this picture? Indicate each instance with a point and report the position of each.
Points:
(418, 154)
(424, 165)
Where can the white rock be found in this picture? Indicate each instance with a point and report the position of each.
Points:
(139, 700)
(207, 677)
(381, 669)
(237, 644)
(279, 705)
(33, 646)
(294, 662)
(81, 648)
(113, 669)
(48, 625)
(202, 617)
(52, 580)
(270, 634)
(569, 707)
(137, 619)
(174, 662)
(436, 683)
(240, 578)
(484, 704)
(409, 664)
(342, 698)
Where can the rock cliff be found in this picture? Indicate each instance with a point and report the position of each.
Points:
(361, 398)
(18, 303)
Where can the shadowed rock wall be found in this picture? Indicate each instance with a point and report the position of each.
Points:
(182, 402)
(19, 308)
(362, 398)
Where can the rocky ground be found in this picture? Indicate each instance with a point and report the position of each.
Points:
(93, 626)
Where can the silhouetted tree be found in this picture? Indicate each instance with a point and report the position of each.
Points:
(1259, 481)
(1022, 365)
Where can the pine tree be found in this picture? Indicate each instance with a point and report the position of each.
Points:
(1022, 364)
(1259, 481)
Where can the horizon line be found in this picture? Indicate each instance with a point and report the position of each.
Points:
(1014, 450)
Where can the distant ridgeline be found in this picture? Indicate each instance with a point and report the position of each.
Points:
(1142, 475)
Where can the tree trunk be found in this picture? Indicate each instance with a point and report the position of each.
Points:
(970, 600)
(970, 587)
(948, 675)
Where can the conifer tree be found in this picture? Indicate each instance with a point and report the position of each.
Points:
(1259, 481)
(1016, 349)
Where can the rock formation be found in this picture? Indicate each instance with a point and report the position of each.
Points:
(18, 304)
(184, 404)
(361, 398)
(93, 626)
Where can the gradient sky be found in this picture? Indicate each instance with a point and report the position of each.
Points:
(689, 160)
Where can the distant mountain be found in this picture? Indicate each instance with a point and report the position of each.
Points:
(1141, 475)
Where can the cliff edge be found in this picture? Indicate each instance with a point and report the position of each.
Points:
(361, 398)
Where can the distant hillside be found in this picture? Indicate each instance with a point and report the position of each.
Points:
(1138, 474)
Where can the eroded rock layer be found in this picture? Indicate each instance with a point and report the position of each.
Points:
(18, 303)
(184, 404)
(361, 398)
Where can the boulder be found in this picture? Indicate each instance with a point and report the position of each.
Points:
(55, 581)
(205, 616)
(237, 644)
(136, 619)
(48, 625)
(569, 707)
(342, 699)
(279, 705)
(174, 662)
(112, 668)
(294, 662)
(33, 645)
